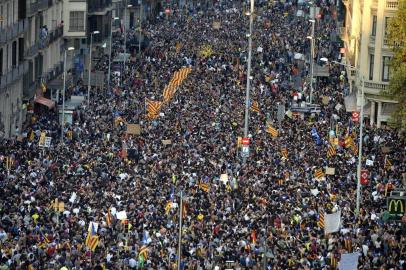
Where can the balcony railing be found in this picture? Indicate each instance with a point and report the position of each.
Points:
(378, 86)
(98, 6)
(392, 4)
(13, 31)
(50, 38)
(42, 4)
(31, 51)
(372, 39)
(13, 75)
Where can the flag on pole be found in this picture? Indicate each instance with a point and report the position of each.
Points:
(153, 108)
(254, 236)
(331, 151)
(255, 107)
(320, 223)
(285, 153)
(204, 186)
(184, 210)
(92, 240)
(108, 217)
(318, 173)
(272, 131)
(388, 163)
(349, 143)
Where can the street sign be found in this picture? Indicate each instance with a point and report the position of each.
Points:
(245, 151)
(364, 177)
(245, 141)
(355, 116)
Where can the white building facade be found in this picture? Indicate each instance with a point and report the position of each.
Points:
(367, 48)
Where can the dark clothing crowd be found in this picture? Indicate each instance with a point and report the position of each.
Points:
(261, 212)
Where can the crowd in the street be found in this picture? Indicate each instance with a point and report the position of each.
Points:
(271, 203)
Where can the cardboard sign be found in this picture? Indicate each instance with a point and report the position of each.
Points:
(330, 171)
(134, 129)
(216, 25)
(385, 150)
(166, 142)
(61, 207)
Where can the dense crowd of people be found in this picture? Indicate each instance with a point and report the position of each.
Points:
(231, 210)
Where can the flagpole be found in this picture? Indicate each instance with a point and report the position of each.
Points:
(180, 231)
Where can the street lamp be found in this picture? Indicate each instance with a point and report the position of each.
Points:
(90, 65)
(361, 126)
(63, 92)
(139, 33)
(110, 41)
(125, 39)
(311, 61)
(247, 92)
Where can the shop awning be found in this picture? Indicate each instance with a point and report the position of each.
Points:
(44, 101)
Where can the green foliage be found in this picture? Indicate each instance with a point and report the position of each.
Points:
(397, 84)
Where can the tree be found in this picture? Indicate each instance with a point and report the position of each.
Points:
(397, 85)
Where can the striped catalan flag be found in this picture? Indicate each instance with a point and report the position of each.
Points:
(93, 242)
(388, 163)
(143, 252)
(108, 218)
(285, 153)
(204, 186)
(153, 108)
(349, 143)
(320, 223)
(318, 173)
(255, 107)
(280, 181)
(272, 131)
(331, 151)
(184, 210)
(333, 261)
(9, 163)
(348, 244)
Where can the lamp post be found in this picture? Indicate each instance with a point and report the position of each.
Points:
(247, 92)
(361, 127)
(125, 40)
(311, 60)
(63, 92)
(90, 65)
(139, 33)
(110, 41)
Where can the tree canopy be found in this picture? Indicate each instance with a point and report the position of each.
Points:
(397, 85)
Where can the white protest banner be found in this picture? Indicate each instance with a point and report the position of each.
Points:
(332, 222)
(122, 215)
(349, 261)
(224, 178)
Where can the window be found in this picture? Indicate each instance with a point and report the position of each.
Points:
(77, 21)
(385, 68)
(371, 66)
(387, 22)
(374, 21)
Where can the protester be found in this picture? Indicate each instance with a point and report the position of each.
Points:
(271, 203)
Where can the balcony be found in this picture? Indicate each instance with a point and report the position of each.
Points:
(50, 38)
(42, 4)
(31, 51)
(392, 4)
(372, 40)
(13, 75)
(375, 87)
(98, 7)
(13, 31)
